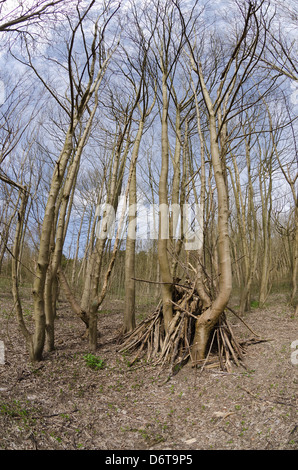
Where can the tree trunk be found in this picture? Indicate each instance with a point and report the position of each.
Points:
(295, 260)
(129, 321)
(164, 265)
(266, 199)
(200, 278)
(208, 319)
(15, 282)
(44, 252)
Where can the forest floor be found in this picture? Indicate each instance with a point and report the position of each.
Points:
(62, 403)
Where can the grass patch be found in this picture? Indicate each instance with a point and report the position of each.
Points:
(94, 362)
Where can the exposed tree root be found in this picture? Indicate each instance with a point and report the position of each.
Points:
(173, 348)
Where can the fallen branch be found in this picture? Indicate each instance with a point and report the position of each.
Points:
(241, 319)
(160, 282)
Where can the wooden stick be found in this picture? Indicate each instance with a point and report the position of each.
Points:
(208, 352)
(241, 319)
(183, 310)
(160, 282)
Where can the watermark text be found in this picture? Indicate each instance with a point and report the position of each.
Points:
(140, 222)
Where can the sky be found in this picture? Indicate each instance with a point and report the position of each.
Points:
(216, 10)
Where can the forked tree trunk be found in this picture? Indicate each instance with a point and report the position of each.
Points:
(64, 209)
(208, 319)
(44, 253)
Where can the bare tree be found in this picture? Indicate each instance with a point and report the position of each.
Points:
(201, 95)
(232, 78)
(84, 89)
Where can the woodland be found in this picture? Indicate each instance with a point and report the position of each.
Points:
(148, 209)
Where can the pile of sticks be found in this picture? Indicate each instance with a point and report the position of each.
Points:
(149, 340)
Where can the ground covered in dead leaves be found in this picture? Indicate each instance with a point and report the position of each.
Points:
(62, 403)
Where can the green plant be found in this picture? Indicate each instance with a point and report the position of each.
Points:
(14, 409)
(94, 362)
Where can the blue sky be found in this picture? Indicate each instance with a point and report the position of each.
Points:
(213, 17)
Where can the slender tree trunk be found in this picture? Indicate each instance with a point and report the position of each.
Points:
(175, 191)
(164, 265)
(248, 231)
(75, 259)
(266, 199)
(129, 321)
(295, 260)
(94, 264)
(15, 282)
(200, 277)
